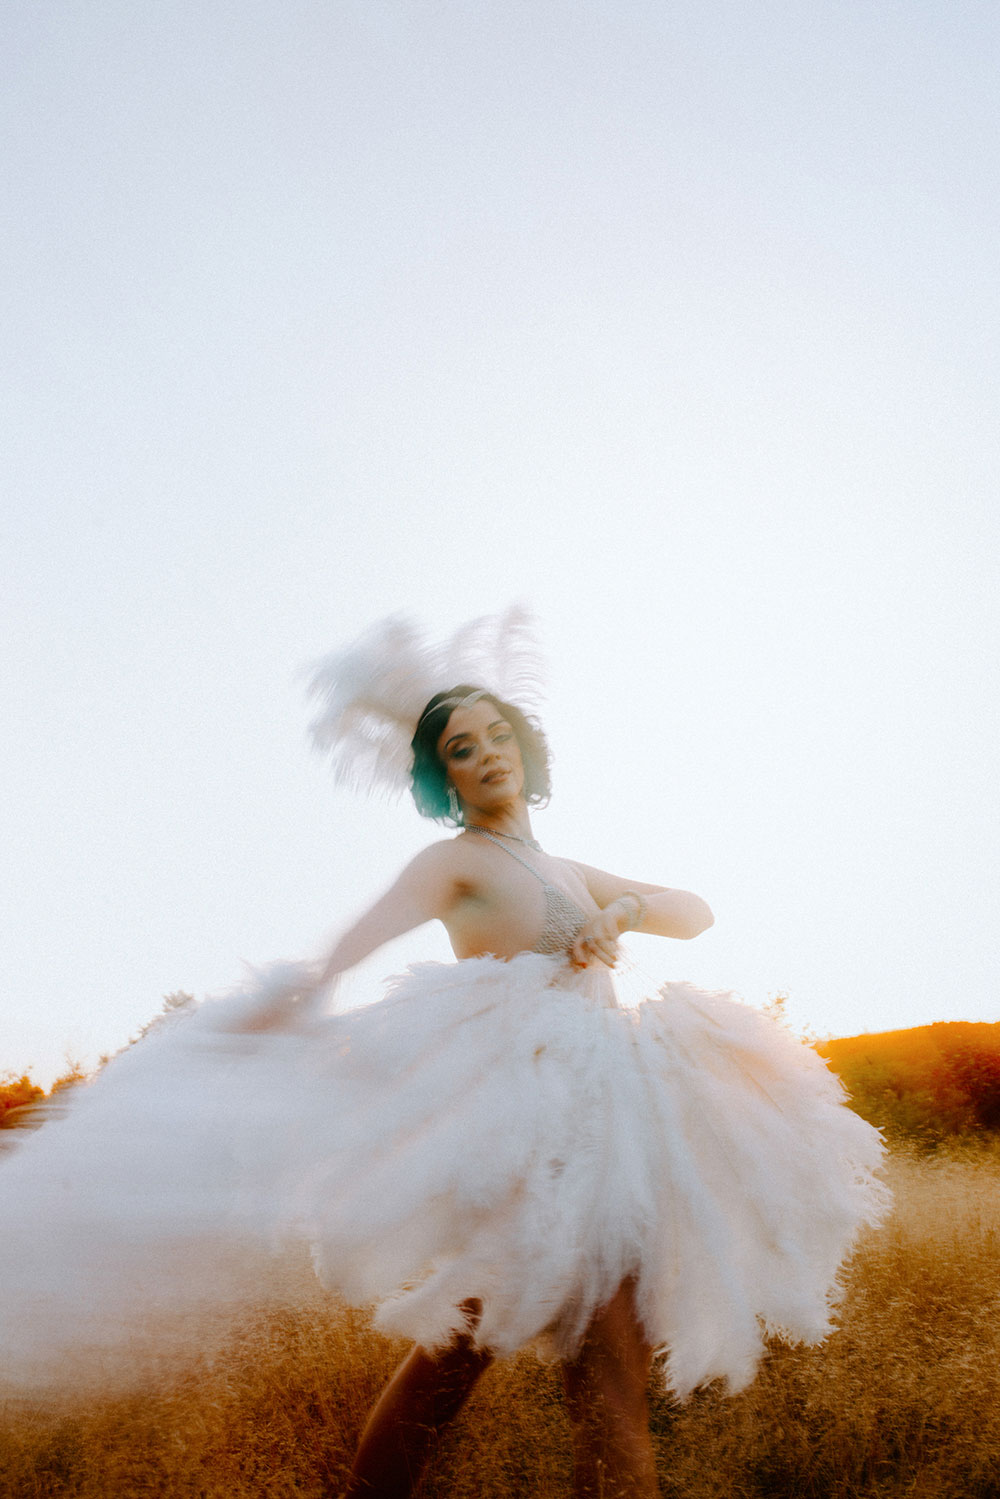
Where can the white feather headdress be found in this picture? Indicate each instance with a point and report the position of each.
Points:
(374, 691)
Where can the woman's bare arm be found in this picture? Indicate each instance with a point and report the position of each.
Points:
(667, 913)
(425, 891)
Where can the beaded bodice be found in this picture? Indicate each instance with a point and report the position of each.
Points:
(563, 917)
(563, 920)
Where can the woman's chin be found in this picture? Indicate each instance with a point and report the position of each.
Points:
(497, 797)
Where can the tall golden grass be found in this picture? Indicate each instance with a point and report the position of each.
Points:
(904, 1398)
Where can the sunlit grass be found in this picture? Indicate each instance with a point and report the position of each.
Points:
(903, 1400)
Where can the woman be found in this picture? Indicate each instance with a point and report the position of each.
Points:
(496, 1154)
(527, 1162)
(498, 894)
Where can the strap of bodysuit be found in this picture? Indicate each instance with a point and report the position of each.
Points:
(514, 855)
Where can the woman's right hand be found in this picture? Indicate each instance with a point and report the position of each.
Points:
(282, 997)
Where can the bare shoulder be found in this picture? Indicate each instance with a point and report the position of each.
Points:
(429, 885)
(448, 860)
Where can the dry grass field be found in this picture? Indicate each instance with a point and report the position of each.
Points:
(904, 1399)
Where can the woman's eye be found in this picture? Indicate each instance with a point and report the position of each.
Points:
(461, 754)
(501, 738)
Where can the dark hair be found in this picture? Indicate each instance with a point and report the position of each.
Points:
(429, 779)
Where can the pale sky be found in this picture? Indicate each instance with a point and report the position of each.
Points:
(676, 322)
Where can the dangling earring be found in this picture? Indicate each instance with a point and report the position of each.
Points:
(453, 806)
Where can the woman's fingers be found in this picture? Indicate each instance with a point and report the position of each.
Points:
(591, 946)
(580, 952)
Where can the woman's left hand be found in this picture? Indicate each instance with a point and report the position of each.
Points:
(598, 938)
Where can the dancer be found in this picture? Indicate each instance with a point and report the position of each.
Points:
(499, 895)
(496, 1154)
(535, 1163)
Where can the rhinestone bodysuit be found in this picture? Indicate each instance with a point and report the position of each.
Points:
(563, 917)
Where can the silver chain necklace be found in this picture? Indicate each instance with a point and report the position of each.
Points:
(473, 827)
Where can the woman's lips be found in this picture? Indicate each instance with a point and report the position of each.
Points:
(494, 775)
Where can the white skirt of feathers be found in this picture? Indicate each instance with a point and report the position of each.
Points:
(497, 1130)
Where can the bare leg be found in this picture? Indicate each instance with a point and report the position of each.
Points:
(606, 1395)
(425, 1393)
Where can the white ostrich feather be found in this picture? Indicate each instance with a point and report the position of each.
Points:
(373, 691)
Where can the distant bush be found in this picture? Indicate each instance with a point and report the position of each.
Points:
(926, 1085)
(17, 1093)
(972, 1067)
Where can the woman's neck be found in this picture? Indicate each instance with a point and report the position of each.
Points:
(510, 821)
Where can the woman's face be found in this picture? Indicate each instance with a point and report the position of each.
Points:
(481, 755)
